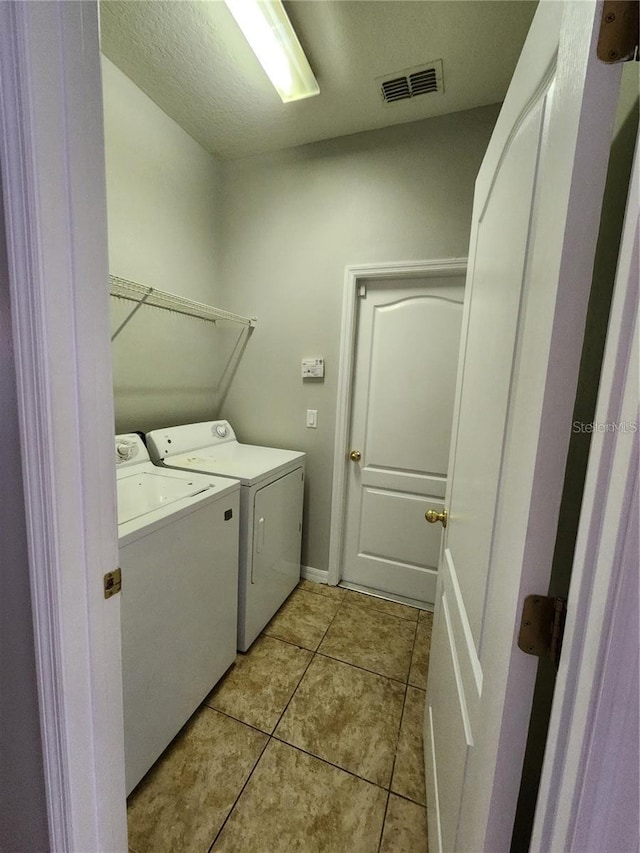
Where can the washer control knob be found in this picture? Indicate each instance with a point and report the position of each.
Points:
(124, 451)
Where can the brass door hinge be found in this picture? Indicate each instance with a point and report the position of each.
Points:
(542, 626)
(112, 583)
(618, 38)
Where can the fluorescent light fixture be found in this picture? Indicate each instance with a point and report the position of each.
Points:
(267, 28)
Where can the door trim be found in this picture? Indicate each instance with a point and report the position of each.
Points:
(354, 276)
(595, 667)
(54, 197)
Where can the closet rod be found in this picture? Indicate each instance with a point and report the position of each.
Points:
(139, 293)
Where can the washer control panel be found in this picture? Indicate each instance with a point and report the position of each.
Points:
(174, 441)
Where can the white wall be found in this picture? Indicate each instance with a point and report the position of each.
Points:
(163, 206)
(292, 222)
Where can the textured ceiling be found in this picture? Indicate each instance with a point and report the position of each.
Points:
(191, 59)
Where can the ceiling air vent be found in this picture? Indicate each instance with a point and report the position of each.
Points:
(411, 82)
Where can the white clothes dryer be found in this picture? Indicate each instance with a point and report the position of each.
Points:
(178, 540)
(271, 503)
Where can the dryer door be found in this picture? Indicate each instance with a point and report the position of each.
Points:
(277, 536)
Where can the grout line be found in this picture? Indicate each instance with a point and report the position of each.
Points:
(363, 668)
(333, 619)
(384, 820)
(299, 645)
(379, 595)
(330, 763)
(372, 598)
(368, 608)
(395, 751)
(293, 693)
(237, 720)
(235, 802)
(288, 642)
(346, 599)
(408, 799)
(413, 651)
(404, 705)
(397, 681)
(314, 652)
(315, 592)
(272, 736)
(420, 690)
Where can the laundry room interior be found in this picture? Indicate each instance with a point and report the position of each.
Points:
(287, 218)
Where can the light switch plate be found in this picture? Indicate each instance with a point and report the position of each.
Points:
(312, 418)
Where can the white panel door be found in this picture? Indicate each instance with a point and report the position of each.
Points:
(402, 408)
(535, 220)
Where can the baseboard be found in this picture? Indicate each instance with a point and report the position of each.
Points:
(311, 574)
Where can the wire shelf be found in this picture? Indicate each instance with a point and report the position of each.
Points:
(134, 292)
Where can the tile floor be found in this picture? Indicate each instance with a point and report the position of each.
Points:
(312, 742)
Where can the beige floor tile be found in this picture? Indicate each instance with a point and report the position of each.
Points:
(408, 773)
(420, 660)
(256, 690)
(346, 716)
(371, 639)
(392, 608)
(303, 619)
(335, 592)
(295, 802)
(405, 827)
(183, 801)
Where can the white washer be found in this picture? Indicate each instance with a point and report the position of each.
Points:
(270, 510)
(178, 536)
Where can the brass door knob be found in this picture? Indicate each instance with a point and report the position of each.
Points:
(355, 456)
(433, 517)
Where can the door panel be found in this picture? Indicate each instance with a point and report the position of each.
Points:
(489, 359)
(403, 481)
(410, 347)
(406, 360)
(393, 525)
(448, 737)
(534, 227)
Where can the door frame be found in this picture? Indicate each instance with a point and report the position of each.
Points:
(54, 197)
(596, 668)
(354, 276)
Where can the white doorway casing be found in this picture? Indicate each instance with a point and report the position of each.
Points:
(52, 156)
(355, 276)
(589, 787)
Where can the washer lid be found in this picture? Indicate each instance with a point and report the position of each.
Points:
(142, 492)
(248, 463)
